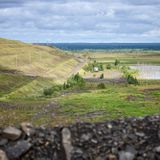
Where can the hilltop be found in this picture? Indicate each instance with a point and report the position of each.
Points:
(35, 60)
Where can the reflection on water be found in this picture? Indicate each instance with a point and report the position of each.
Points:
(147, 71)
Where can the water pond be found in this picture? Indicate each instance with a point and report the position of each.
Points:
(147, 71)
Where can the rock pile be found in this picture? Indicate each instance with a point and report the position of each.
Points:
(123, 139)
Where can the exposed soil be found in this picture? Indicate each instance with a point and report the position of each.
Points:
(119, 80)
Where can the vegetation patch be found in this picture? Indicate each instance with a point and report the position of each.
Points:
(114, 100)
(10, 82)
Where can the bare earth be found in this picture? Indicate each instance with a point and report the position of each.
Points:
(108, 74)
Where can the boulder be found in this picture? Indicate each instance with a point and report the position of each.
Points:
(3, 155)
(18, 149)
(11, 133)
(157, 149)
(27, 128)
(66, 140)
(128, 154)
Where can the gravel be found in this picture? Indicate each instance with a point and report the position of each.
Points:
(122, 139)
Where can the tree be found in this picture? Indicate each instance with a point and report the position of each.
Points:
(102, 76)
(75, 80)
(132, 80)
(108, 66)
(64, 86)
(117, 62)
(101, 67)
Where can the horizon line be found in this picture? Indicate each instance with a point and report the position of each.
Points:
(95, 42)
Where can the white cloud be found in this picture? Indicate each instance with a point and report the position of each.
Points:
(79, 20)
(153, 33)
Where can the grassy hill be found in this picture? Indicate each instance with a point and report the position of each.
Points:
(35, 60)
(26, 69)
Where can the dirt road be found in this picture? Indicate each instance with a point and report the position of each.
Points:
(78, 67)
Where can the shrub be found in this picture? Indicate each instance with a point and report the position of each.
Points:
(100, 67)
(94, 75)
(48, 91)
(66, 86)
(132, 80)
(101, 86)
(117, 62)
(129, 74)
(108, 66)
(75, 80)
(52, 90)
(89, 67)
(102, 76)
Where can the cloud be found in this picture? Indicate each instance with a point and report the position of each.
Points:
(143, 2)
(11, 3)
(79, 20)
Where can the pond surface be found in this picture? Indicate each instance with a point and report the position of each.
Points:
(147, 71)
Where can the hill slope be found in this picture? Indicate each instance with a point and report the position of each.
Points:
(35, 60)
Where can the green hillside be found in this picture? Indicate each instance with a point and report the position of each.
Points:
(36, 60)
(26, 69)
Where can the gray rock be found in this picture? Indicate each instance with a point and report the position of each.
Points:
(3, 155)
(28, 128)
(18, 149)
(94, 141)
(78, 153)
(86, 137)
(12, 133)
(128, 154)
(3, 141)
(114, 150)
(157, 149)
(88, 141)
(109, 126)
(159, 134)
(140, 134)
(66, 140)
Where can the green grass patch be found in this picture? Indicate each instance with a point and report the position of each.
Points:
(116, 101)
(16, 86)
(11, 82)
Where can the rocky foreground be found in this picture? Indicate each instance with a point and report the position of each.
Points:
(123, 139)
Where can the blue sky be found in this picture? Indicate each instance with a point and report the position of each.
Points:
(80, 20)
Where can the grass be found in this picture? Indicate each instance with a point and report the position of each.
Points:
(116, 101)
(10, 82)
(126, 57)
(15, 86)
(21, 97)
(15, 112)
(36, 60)
(90, 104)
(26, 70)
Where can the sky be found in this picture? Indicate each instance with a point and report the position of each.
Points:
(80, 20)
